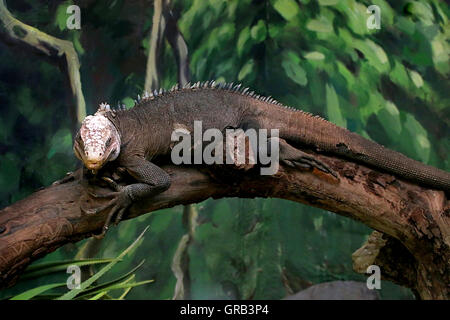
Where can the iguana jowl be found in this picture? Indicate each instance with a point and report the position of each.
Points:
(134, 137)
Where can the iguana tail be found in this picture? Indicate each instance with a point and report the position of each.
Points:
(306, 129)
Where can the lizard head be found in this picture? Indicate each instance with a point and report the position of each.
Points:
(97, 141)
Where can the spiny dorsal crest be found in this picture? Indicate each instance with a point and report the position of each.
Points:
(220, 86)
(103, 108)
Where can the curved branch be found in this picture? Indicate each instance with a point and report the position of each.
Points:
(17, 32)
(417, 217)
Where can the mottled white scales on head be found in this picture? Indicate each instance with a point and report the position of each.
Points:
(100, 140)
(95, 130)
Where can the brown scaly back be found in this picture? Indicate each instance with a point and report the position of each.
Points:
(230, 87)
(309, 129)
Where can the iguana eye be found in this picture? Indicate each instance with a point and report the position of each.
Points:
(79, 140)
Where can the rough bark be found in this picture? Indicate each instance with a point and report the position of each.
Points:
(417, 218)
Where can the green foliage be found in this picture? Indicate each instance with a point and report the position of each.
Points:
(86, 284)
(42, 269)
(293, 69)
(27, 295)
(87, 289)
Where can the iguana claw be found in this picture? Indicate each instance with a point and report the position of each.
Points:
(112, 183)
(120, 202)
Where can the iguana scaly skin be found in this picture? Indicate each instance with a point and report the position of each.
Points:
(134, 137)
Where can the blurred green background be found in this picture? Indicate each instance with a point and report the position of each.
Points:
(390, 85)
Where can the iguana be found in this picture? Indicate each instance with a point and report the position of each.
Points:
(133, 137)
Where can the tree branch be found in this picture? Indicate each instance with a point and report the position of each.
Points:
(396, 263)
(16, 32)
(416, 217)
(156, 44)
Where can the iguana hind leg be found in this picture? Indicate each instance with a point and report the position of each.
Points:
(151, 181)
(294, 157)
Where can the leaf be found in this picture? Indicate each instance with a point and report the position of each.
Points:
(374, 53)
(399, 75)
(292, 68)
(246, 70)
(320, 25)
(440, 49)
(333, 110)
(356, 15)
(328, 2)
(61, 15)
(99, 295)
(379, 52)
(74, 292)
(226, 32)
(126, 291)
(389, 118)
(128, 102)
(421, 10)
(287, 8)
(103, 286)
(315, 55)
(39, 270)
(77, 43)
(259, 31)
(405, 25)
(27, 295)
(123, 285)
(243, 40)
(61, 142)
(416, 78)
(420, 140)
(275, 30)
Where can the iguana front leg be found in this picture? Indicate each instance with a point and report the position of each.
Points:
(151, 181)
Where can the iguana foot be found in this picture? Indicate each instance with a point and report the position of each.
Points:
(67, 178)
(294, 157)
(120, 202)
